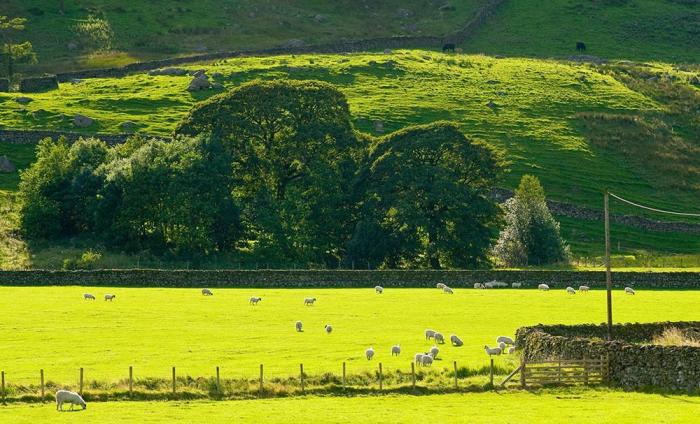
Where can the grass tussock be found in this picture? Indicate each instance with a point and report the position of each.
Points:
(676, 337)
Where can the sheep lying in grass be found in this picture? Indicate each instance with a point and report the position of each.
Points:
(440, 286)
(298, 326)
(309, 301)
(329, 328)
(516, 285)
(447, 290)
(369, 353)
(395, 350)
(434, 351)
(65, 396)
(88, 296)
(254, 300)
(110, 297)
(583, 289)
(379, 289)
(505, 339)
(491, 351)
(570, 290)
(439, 338)
(543, 287)
(456, 341)
(429, 334)
(207, 292)
(629, 290)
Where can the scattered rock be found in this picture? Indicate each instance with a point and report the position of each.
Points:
(695, 80)
(217, 75)
(491, 105)
(128, 126)
(75, 81)
(200, 82)
(72, 45)
(404, 13)
(23, 100)
(372, 63)
(653, 79)
(217, 86)
(378, 126)
(319, 19)
(493, 82)
(388, 51)
(294, 43)
(6, 165)
(198, 73)
(82, 121)
(168, 71)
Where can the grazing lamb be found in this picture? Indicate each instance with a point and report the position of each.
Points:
(426, 360)
(328, 328)
(254, 300)
(395, 350)
(434, 351)
(570, 290)
(418, 358)
(439, 338)
(479, 286)
(629, 290)
(491, 351)
(583, 289)
(64, 396)
(505, 339)
(88, 296)
(489, 285)
(298, 326)
(369, 353)
(447, 290)
(207, 292)
(110, 297)
(440, 286)
(379, 289)
(543, 287)
(516, 285)
(309, 301)
(429, 334)
(456, 341)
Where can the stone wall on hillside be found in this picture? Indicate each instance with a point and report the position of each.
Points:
(34, 136)
(38, 84)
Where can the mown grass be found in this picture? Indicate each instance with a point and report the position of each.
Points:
(557, 406)
(153, 329)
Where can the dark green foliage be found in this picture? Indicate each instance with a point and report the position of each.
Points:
(427, 200)
(531, 235)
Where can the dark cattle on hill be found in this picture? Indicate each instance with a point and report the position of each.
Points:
(581, 46)
(448, 46)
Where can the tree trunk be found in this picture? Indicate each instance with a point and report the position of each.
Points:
(10, 68)
(433, 251)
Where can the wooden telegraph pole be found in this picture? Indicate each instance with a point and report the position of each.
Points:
(608, 273)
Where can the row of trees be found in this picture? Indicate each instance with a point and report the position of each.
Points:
(275, 170)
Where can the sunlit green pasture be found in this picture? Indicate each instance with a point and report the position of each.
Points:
(153, 329)
(577, 406)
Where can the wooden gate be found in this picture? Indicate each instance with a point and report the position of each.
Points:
(566, 372)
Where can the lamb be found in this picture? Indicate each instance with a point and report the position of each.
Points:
(447, 290)
(479, 286)
(298, 326)
(65, 396)
(429, 334)
(511, 350)
(369, 353)
(570, 290)
(583, 289)
(516, 285)
(440, 286)
(254, 300)
(379, 289)
(629, 290)
(309, 301)
(543, 287)
(88, 296)
(426, 360)
(328, 328)
(502, 346)
(505, 339)
(207, 292)
(491, 351)
(434, 351)
(439, 338)
(456, 341)
(418, 358)
(110, 297)
(395, 350)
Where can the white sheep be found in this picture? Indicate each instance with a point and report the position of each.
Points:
(583, 289)
(309, 301)
(511, 350)
(298, 326)
(479, 286)
(254, 300)
(369, 353)
(429, 334)
(489, 285)
(395, 350)
(88, 296)
(629, 290)
(447, 290)
(491, 351)
(570, 290)
(499, 284)
(426, 360)
(328, 328)
(434, 351)
(65, 396)
(440, 286)
(379, 289)
(110, 297)
(505, 339)
(502, 346)
(516, 285)
(207, 292)
(456, 341)
(543, 287)
(439, 338)
(418, 358)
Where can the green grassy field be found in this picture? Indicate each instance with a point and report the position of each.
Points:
(571, 406)
(154, 329)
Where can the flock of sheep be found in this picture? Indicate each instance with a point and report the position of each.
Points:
(582, 289)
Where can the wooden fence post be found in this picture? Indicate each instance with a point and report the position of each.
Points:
(2, 387)
(41, 377)
(301, 376)
(491, 373)
(261, 380)
(174, 384)
(455, 367)
(413, 375)
(218, 381)
(343, 375)
(131, 380)
(523, 383)
(585, 370)
(381, 377)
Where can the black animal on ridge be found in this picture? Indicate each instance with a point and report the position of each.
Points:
(580, 46)
(448, 46)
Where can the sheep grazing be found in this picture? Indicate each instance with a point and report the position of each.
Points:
(583, 289)
(440, 286)
(309, 301)
(429, 334)
(439, 338)
(491, 351)
(511, 350)
(298, 326)
(456, 341)
(505, 339)
(570, 290)
(479, 286)
(254, 300)
(64, 396)
(369, 353)
(395, 350)
(629, 290)
(543, 287)
(207, 292)
(502, 346)
(426, 360)
(379, 289)
(447, 290)
(489, 285)
(88, 296)
(434, 351)
(516, 285)
(110, 297)
(418, 358)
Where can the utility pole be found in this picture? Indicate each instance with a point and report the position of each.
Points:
(608, 274)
